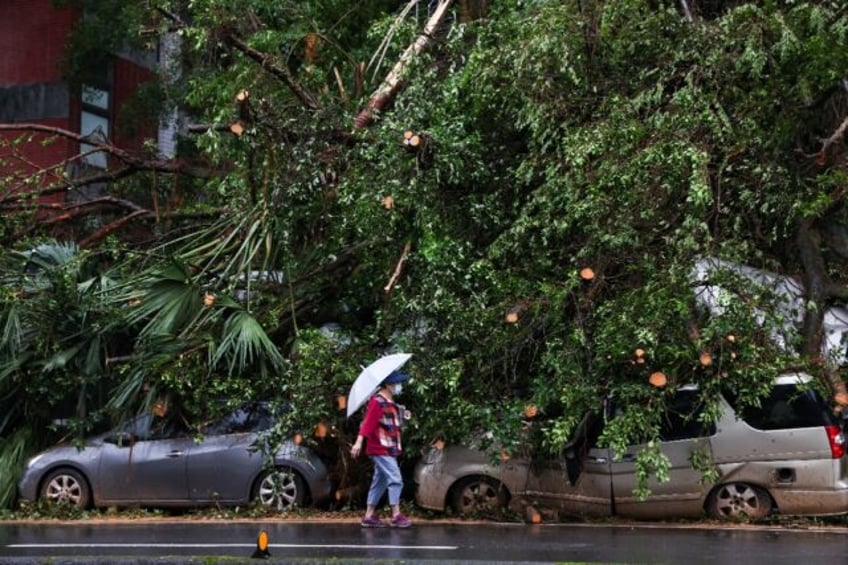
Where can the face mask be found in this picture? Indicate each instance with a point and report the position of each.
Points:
(397, 389)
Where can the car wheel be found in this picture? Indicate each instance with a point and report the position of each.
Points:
(738, 500)
(66, 486)
(281, 489)
(478, 495)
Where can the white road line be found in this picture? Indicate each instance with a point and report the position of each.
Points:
(223, 545)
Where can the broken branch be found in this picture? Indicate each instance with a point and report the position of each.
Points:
(392, 83)
(388, 288)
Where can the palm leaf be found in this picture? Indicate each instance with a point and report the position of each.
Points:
(60, 359)
(13, 452)
(169, 300)
(13, 331)
(151, 355)
(245, 342)
(50, 255)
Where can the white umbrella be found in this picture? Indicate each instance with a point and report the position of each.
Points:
(371, 377)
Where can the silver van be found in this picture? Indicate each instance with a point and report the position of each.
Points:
(787, 456)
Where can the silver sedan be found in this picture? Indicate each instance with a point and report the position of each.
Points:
(151, 462)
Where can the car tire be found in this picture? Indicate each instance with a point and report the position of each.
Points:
(66, 486)
(281, 489)
(739, 500)
(478, 496)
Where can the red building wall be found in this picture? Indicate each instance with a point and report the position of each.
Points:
(128, 77)
(33, 37)
(33, 34)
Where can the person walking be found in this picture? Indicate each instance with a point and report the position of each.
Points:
(381, 432)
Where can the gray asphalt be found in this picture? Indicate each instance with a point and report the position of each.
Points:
(425, 544)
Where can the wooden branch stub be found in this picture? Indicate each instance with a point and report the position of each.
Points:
(242, 96)
(587, 274)
(532, 516)
(237, 128)
(658, 379)
(514, 314)
(388, 202)
(320, 431)
(310, 47)
(348, 493)
(412, 141)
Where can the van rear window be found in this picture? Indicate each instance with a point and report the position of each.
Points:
(786, 407)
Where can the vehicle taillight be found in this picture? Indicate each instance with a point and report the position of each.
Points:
(837, 441)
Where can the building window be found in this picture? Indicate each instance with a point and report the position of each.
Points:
(95, 123)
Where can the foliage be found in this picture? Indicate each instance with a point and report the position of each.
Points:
(558, 135)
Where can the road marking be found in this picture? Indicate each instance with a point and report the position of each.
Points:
(223, 545)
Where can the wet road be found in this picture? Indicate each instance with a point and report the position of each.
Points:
(433, 543)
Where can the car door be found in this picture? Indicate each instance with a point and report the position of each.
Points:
(682, 437)
(578, 482)
(223, 464)
(145, 462)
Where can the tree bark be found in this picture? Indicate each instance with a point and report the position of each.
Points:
(470, 10)
(816, 282)
(393, 81)
(279, 71)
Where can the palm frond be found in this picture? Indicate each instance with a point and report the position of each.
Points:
(60, 359)
(151, 355)
(244, 343)
(13, 452)
(52, 254)
(168, 301)
(13, 330)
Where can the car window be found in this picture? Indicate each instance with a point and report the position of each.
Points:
(786, 407)
(151, 427)
(252, 418)
(682, 418)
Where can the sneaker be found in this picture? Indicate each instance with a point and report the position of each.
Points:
(401, 521)
(372, 522)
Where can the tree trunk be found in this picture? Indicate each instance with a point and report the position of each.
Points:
(392, 83)
(471, 10)
(816, 282)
